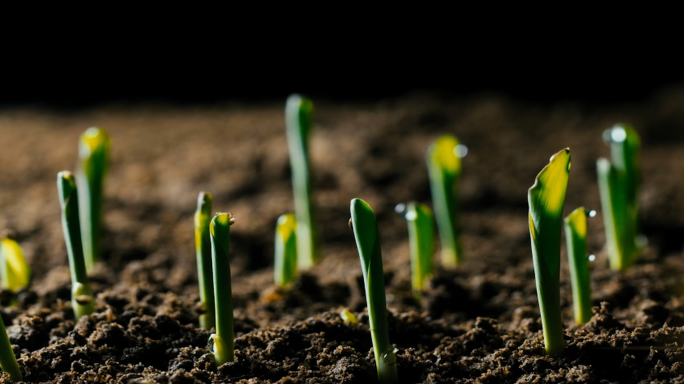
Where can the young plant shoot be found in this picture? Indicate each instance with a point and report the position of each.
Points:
(421, 242)
(576, 242)
(368, 244)
(444, 168)
(82, 299)
(93, 161)
(8, 362)
(224, 349)
(618, 181)
(546, 199)
(14, 270)
(205, 276)
(285, 266)
(298, 121)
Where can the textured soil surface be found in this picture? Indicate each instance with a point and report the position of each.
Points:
(479, 323)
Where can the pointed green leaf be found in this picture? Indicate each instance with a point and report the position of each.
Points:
(576, 243)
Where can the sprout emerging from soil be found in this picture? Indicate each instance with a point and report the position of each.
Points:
(421, 242)
(546, 199)
(367, 238)
(8, 361)
(444, 167)
(224, 348)
(285, 265)
(348, 317)
(82, 299)
(576, 242)
(93, 161)
(618, 181)
(14, 270)
(298, 121)
(205, 276)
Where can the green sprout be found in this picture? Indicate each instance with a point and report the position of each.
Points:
(618, 182)
(93, 161)
(421, 242)
(576, 242)
(285, 266)
(8, 362)
(14, 270)
(348, 317)
(444, 167)
(82, 299)
(224, 348)
(203, 255)
(367, 238)
(546, 199)
(298, 119)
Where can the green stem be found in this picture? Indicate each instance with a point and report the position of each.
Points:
(576, 242)
(82, 299)
(367, 238)
(224, 350)
(205, 276)
(8, 361)
(285, 265)
(421, 242)
(298, 119)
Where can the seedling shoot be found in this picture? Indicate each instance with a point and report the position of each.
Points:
(224, 349)
(444, 168)
(618, 183)
(546, 199)
(285, 265)
(367, 238)
(15, 273)
(298, 121)
(8, 362)
(421, 242)
(576, 243)
(93, 161)
(82, 299)
(205, 276)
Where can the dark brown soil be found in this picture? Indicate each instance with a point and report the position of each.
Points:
(479, 323)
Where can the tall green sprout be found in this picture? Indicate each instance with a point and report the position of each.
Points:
(368, 244)
(444, 168)
(576, 243)
(298, 121)
(205, 276)
(8, 362)
(285, 265)
(546, 199)
(618, 183)
(82, 299)
(93, 161)
(224, 348)
(421, 242)
(15, 273)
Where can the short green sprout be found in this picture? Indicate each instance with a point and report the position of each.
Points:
(224, 347)
(8, 362)
(205, 276)
(82, 299)
(576, 243)
(444, 167)
(14, 270)
(421, 242)
(298, 121)
(367, 238)
(546, 199)
(93, 161)
(348, 317)
(618, 183)
(285, 266)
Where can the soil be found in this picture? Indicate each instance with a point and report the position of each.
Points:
(479, 323)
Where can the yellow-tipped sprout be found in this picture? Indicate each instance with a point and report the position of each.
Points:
(8, 362)
(93, 161)
(285, 265)
(224, 348)
(618, 181)
(14, 271)
(421, 242)
(576, 243)
(546, 199)
(348, 317)
(444, 167)
(298, 121)
(82, 299)
(205, 276)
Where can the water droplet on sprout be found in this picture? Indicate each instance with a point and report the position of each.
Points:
(411, 215)
(618, 134)
(592, 213)
(461, 151)
(400, 209)
(592, 258)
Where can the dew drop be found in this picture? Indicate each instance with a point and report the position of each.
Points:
(618, 134)
(411, 215)
(461, 151)
(592, 258)
(592, 213)
(400, 209)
